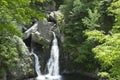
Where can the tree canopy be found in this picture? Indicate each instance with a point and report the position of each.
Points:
(18, 13)
(92, 33)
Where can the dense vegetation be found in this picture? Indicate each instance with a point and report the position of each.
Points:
(92, 35)
(90, 27)
(14, 14)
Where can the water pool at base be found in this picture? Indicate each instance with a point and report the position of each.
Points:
(65, 77)
(75, 77)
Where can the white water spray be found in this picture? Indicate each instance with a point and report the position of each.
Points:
(37, 66)
(52, 65)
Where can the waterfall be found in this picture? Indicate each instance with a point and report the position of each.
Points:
(53, 63)
(37, 66)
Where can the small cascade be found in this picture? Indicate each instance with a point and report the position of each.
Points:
(52, 65)
(37, 66)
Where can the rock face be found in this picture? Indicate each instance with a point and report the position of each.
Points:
(41, 36)
(41, 30)
(23, 68)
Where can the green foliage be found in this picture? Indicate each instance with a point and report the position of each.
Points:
(108, 53)
(78, 6)
(86, 27)
(76, 19)
(17, 12)
(114, 10)
(14, 13)
(66, 8)
(95, 35)
(9, 29)
(84, 55)
(103, 75)
(92, 35)
(92, 21)
(8, 52)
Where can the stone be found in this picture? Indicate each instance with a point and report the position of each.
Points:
(41, 30)
(24, 67)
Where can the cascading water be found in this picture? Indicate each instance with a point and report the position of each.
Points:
(37, 66)
(52, 65)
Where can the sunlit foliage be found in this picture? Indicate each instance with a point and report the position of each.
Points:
(13, 15)
(17, 12)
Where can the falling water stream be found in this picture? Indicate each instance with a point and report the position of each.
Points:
(37, 65)
(52, 65)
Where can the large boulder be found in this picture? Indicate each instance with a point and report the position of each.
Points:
(41, 30)
(42, 35)
(23, 68)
